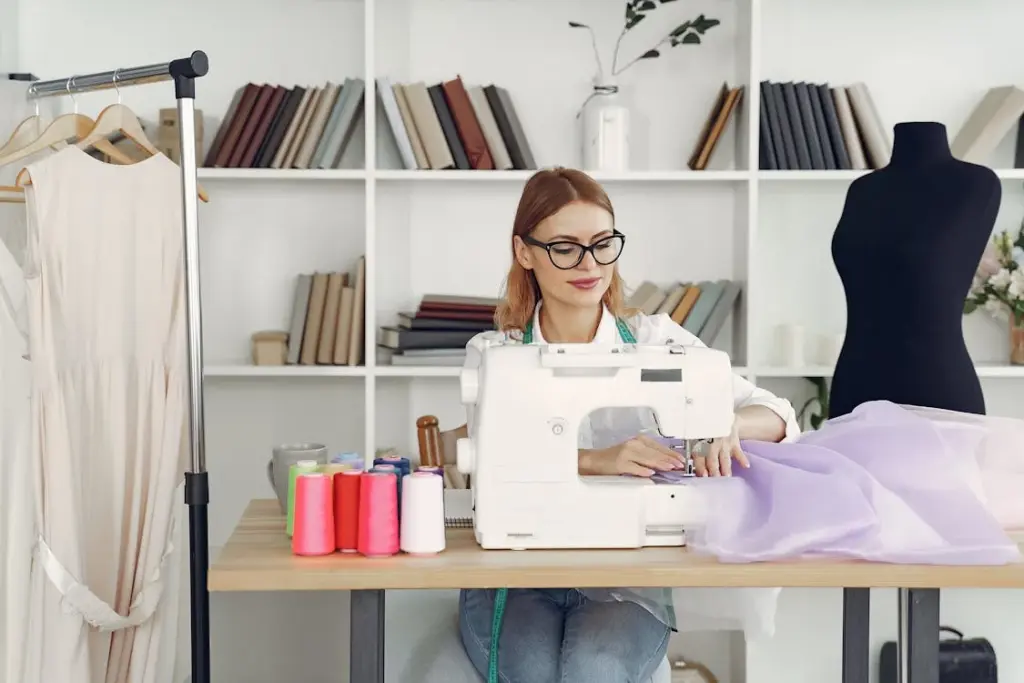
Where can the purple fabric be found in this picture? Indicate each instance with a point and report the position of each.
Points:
(880, 484)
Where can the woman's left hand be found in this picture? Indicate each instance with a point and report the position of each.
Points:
(717, 460)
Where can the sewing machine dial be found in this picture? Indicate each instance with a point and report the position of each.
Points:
(557, 426)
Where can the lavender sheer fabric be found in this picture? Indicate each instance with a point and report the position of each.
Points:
(883, 484)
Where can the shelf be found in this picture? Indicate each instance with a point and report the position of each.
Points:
(846, 176)
(520, 176)
(417, 371)
(240, 370)
(985, 370)
(279, 174)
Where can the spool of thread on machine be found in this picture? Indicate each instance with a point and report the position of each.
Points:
(314, 515)
(422, 524)
(346, 510)
(431, 469)
(378, 514)
(302, 466)
(388, 467)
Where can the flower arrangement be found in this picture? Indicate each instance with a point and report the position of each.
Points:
(998, 287)
(687, 33)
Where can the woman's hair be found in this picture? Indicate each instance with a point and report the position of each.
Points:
(545, 194)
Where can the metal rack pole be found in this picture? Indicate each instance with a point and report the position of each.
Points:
(184, 73)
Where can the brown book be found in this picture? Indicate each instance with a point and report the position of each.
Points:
(685, 305)
(303, 129)
(260, 134)
(253, 120)
(705, 131)
(222, 131)
(314, 320)
(245, 105)
(329, 328)
(470, 133)
(731, 102)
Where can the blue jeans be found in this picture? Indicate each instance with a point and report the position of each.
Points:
(556, 635)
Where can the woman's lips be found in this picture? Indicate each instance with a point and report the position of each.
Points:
(585, 283)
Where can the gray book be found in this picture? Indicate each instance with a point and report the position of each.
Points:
(725, 305)
(332, 123)
(300, 306)
(345, 125)
(710, 292)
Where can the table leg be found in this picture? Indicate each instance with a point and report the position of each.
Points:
(366, 637)
(856, 634)
(922, 643)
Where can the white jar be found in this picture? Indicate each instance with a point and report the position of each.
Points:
(605, 129)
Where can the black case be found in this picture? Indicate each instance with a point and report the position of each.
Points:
(961, 660)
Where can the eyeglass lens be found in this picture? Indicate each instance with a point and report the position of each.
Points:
(567, 255)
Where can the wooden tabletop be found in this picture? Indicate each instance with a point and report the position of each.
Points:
(258, 557)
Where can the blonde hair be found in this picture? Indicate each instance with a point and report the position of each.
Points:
(544, 195)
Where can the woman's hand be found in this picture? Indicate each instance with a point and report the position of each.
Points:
(641, 456)
(717, 461)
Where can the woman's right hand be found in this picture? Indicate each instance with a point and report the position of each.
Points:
(641, 456)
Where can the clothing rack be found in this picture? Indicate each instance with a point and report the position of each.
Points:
(184, 73)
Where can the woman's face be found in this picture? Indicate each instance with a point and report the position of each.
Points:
(575, 224)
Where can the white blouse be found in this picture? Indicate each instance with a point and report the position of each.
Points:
(609, 426)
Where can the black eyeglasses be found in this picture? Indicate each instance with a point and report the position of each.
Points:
(566, 255)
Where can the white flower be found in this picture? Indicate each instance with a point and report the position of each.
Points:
(1015, 289)
(996, 309)
(1001, 280)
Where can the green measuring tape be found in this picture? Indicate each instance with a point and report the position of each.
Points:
(502, 595)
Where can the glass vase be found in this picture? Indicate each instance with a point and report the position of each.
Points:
(605, 129)
(1016, 342)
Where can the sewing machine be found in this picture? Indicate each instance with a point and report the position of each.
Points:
(522, 453)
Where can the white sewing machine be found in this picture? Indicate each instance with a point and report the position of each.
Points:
(523, 451)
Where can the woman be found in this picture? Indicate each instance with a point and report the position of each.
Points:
(564, 287)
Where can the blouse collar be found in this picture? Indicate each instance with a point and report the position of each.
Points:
(607, 332)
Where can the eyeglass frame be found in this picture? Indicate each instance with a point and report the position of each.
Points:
(585, 249)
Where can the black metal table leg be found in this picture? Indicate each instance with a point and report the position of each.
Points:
(366, 637)
(856, 634)
(922, 635)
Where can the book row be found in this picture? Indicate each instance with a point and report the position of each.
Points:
(807, 126)
(452, 125)
(271, 126)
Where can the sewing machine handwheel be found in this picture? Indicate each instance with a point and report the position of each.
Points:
(464, 456)
(469, 384)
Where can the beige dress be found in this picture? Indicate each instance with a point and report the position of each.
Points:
(107, 343)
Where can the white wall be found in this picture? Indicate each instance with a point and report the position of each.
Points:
(921, 60)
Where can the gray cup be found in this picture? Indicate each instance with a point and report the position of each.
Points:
(284, 457)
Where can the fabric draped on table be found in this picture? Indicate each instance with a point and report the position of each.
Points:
(884, 483)
(109, 411)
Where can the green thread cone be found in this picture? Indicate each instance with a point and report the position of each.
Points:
(300, 467)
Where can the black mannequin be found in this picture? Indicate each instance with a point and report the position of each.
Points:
(906, 248)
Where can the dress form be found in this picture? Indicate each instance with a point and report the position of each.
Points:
(906, 248)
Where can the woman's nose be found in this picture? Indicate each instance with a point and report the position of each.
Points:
(588, 262)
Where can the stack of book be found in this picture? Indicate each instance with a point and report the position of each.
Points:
(271, 126)
(701, 308)
(726, 104)
(452, 125)
(437, 333)
(806, 126)
(327, 318)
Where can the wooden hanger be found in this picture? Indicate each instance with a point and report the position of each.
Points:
(118, 118)
(24, 133)
(60, 130)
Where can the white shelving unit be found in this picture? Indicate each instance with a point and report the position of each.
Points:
(447, 231)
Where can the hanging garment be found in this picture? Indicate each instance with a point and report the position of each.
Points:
(106, 312)
(883, 484)
(17, 518)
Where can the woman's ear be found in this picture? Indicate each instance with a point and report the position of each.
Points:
(523, 255)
